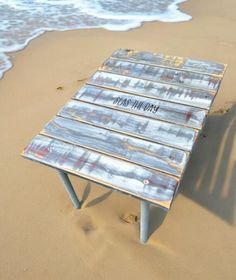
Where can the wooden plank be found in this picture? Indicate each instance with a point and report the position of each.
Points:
(156, 109)
(133, 126)
(163, 75)
(141, 182)
(157, 131)
(155, 156)
(177, 94)
(177, 62)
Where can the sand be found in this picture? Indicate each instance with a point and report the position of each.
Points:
(44, 237)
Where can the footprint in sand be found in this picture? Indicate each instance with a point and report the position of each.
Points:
(86, 224)
(88, 227)
(130, 218)
(221, 111)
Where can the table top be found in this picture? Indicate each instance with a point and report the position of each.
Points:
(133, 125)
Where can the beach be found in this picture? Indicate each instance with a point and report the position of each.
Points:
(44, 237)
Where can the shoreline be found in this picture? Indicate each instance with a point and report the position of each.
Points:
(123, 28)
(44, 237)
(181, 50)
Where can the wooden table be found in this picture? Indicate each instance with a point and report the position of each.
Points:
(132, 127)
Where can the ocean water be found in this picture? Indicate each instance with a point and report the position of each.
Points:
(23, 20)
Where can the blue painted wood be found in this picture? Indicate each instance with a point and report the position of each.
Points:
(173, 135)
(148, 107)
(152, 155)
(163, 75)
(171, 61)
(173, 93)
(130, 178)
(133, 127)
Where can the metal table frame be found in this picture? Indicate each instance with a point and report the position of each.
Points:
(146, 111)
(144, 206)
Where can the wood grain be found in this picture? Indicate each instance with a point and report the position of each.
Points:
(170, 61)
(156, 131)
(133, 126)
(163, 75)
(155, 156)
(178, 94)
(156, 109)
(141, 182)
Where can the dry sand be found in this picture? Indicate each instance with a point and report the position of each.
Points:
(43, 237)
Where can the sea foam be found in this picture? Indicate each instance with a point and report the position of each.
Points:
(23, 20)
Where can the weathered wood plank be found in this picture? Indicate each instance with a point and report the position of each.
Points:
(155, 156)
(134, 124)
(157, 131)
(177, 94)
(141, 182)
(163, 75)
(162, 110)
(177, 62)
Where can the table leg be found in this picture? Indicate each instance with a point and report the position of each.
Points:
(144, 221)
(69, 188)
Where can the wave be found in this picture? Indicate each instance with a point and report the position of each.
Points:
(23, 20)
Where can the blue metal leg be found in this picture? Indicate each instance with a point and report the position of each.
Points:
(144, 221)
(69, 188)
